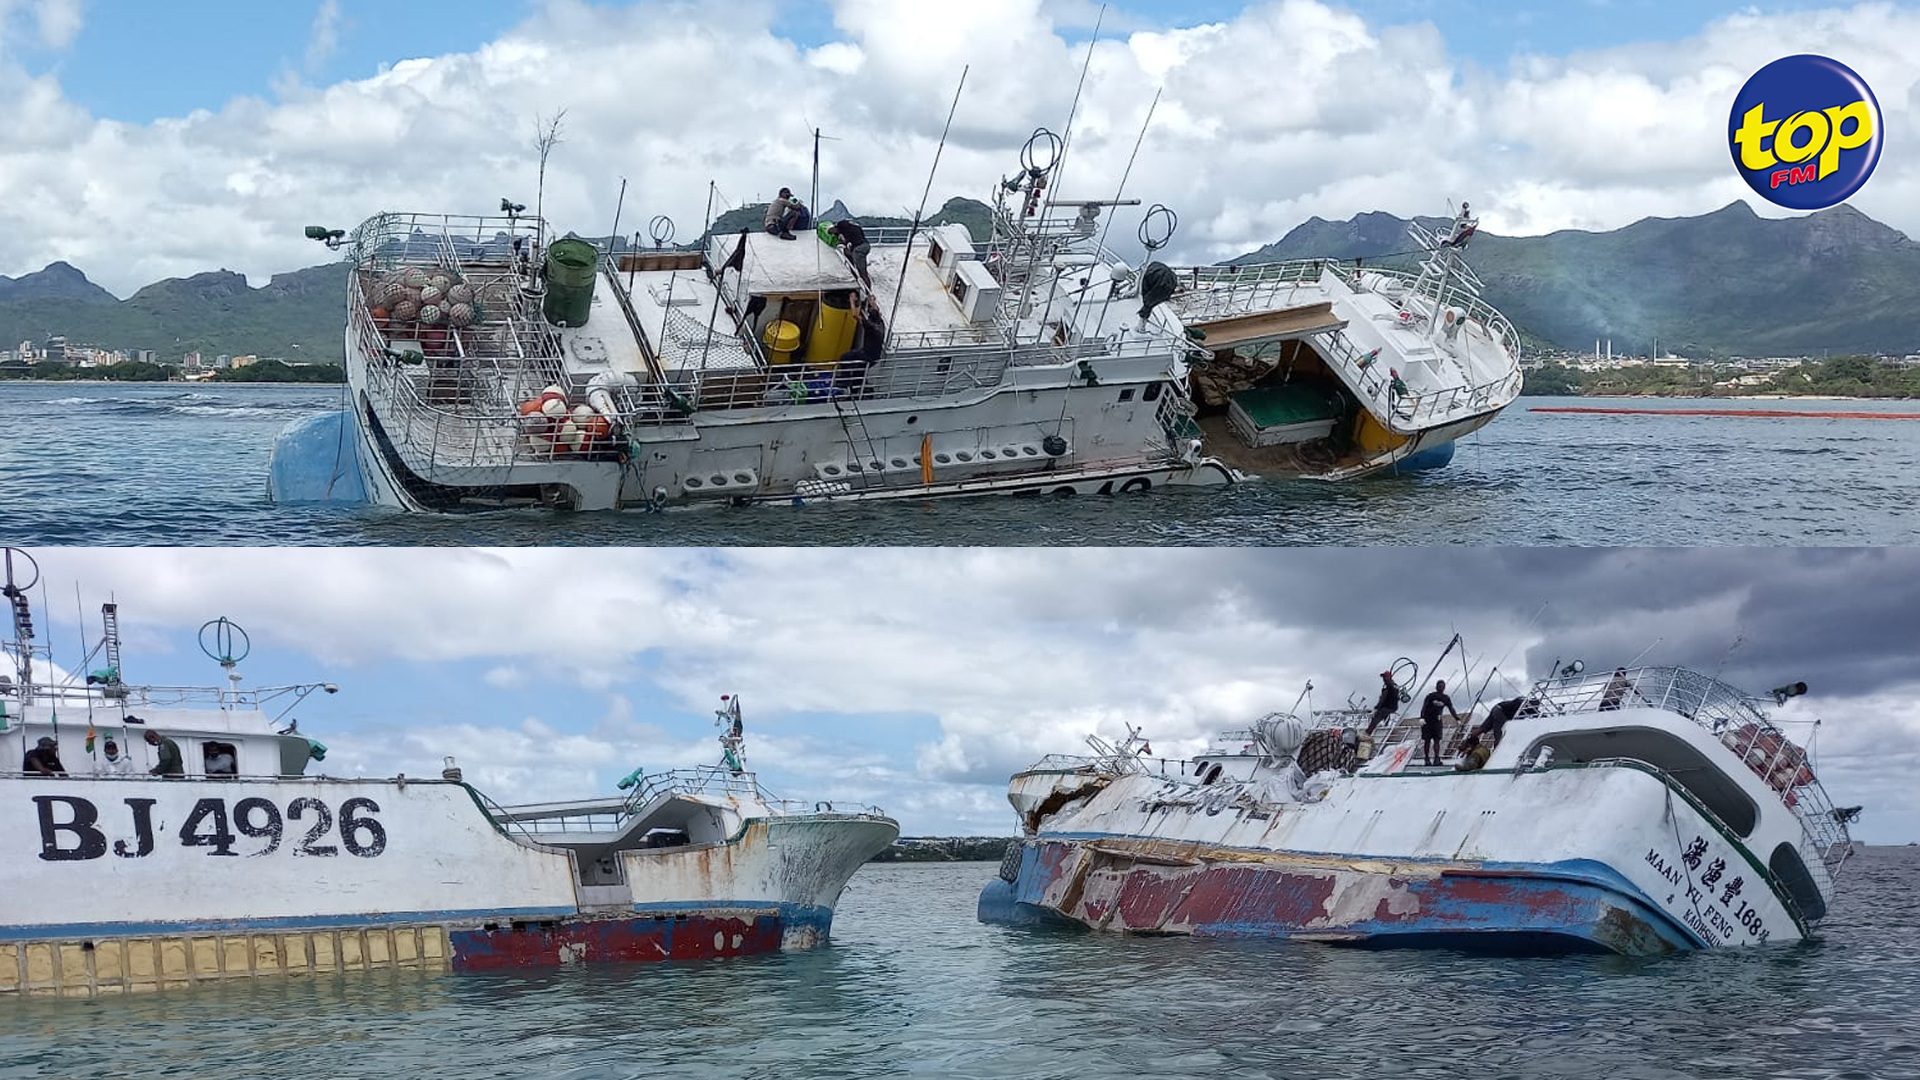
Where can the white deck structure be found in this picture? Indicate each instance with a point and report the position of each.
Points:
(250, 861)
(1031, 361)
(1654, 811)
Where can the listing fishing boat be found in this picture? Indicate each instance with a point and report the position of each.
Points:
(1643, 811)
(192, 838)
(492, 364)
(1334, 370)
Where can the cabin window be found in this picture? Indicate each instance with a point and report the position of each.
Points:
(1127, 394)
(1718, 791)
(1791, 870)
(1152, 392)
(220, 758)
(604, 869)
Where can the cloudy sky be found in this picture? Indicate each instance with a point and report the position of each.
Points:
(150, 140)
(921, 679)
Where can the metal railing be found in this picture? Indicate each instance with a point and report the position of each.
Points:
(1218, 292)
(1409, 411)
(1495, 326)
(1739, 722)
(615, 814)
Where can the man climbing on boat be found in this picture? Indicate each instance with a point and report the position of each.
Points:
(1388, 704)
(1430, 722)
(1497, 718)
(853, 241)
(850, 375)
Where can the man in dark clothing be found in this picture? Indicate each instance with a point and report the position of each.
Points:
(1388, 704)
(851, 374)
(1430, 722)
(1497, 718)
(170, 761)
(853, 240)
(43, 760)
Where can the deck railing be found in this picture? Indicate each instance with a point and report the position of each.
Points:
(1738, 721)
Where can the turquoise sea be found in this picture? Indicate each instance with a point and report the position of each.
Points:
(143, 464)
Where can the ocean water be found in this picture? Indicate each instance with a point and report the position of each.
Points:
(94, 463)
(912, 985)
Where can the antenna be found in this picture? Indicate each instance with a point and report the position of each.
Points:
(814, 192)
(613, 238)
(229, 646)
(733, 739)
(22, 610)
(1072, 111)
(901, 287)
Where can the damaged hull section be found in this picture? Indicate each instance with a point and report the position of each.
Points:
(667, 934)
(1155, 886)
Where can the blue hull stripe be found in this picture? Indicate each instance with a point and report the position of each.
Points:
(1017, 903)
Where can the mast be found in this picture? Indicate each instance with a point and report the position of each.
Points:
(22, 613)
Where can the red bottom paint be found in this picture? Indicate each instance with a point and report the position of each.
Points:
(637, 938)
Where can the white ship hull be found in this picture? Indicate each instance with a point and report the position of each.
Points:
(490, 364)
(1613, 831)
(133, 883)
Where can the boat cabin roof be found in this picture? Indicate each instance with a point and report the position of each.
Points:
(774, 266)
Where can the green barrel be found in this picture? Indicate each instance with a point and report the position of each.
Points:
(570, 269)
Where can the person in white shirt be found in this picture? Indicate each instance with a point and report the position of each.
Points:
(113, 761)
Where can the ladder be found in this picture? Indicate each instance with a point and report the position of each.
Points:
(115, 684)
(869, 477)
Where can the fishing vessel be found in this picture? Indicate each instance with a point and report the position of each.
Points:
(491, 363)
(249, 860)
(1642, 811)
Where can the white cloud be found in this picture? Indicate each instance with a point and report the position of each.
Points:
(505, 677)
(324, 38)
(1290, 109)
(1010, 654)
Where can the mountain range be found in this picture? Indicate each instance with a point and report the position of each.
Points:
(1725, 283)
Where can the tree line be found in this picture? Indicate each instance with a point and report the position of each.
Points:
(1838, 376)
(266, 371)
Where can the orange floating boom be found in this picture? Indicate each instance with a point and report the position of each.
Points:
(1730, 412)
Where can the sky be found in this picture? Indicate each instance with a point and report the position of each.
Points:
(154, 140)
(920, 680)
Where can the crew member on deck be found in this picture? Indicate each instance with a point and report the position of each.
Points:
(1430, 721)
(1473, 756)
(43, 760)
(787, 213)
(1616, 692)
(850, 376)
(1388, 704)
(171, 764)
(1498, 716)
(113, 760)
(853, 240)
